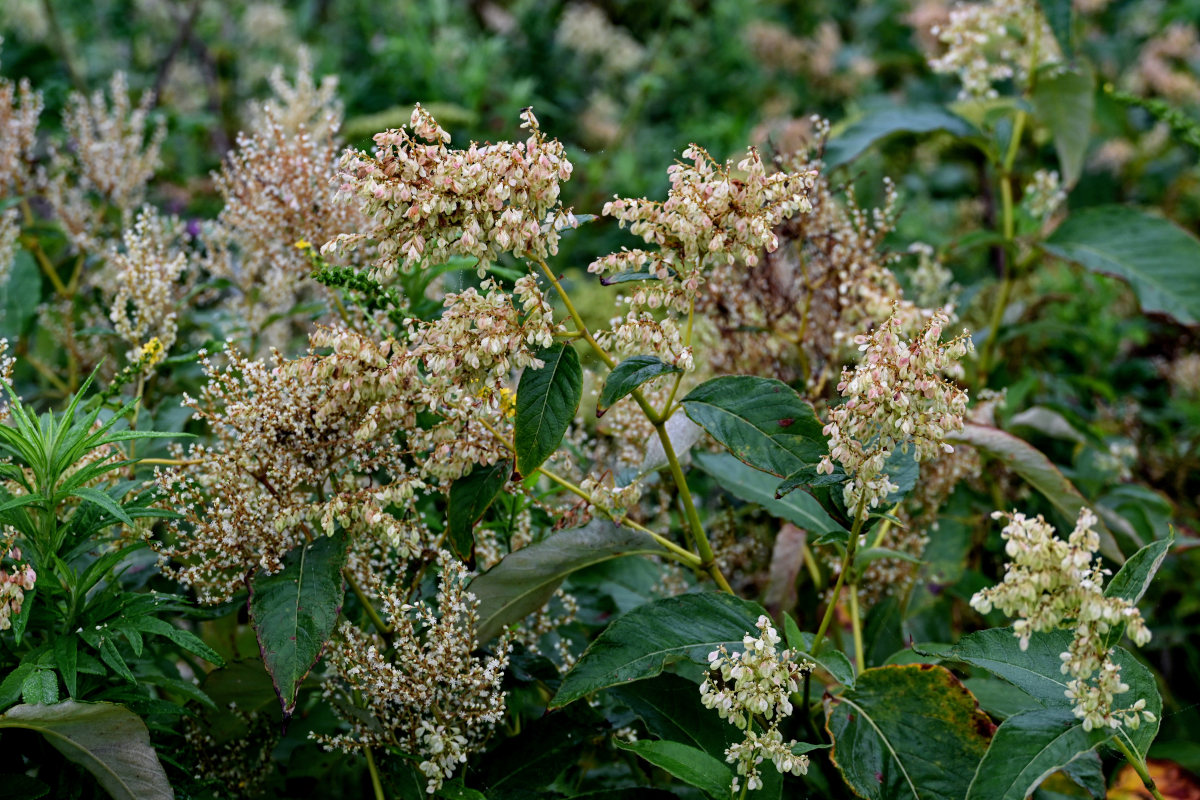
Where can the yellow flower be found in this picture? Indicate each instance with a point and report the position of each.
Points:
(302, 244)
(150, 353)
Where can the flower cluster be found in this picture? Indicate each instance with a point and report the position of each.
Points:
(145, 287)
(1044, 194)
(113, 153)
(427, 693)
(756, 682)
(992, 41)
(711, 216)
(1165, 65)
(429, 203)
(14, 582)
(897, 396)
(20, 107)
(1051, 583)
(585, 29)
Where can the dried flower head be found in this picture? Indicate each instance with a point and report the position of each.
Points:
(144, 283)
(1050, 583)
(756, 685)
(429, 203)
(897, 396)
(20, 107)
(711, 216)
(15, 580)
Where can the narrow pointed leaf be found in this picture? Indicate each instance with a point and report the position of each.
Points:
(762, 421)
(1133, 579)
(104, 501)
(184, 638)
(911, 732)
(524, 580)
(106, 739)
(294, 612)
(641, 643)
(1064, 102)
(66, 658)
(547, 400)
(629, 375)
(689, 764)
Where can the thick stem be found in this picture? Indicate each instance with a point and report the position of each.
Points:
(1139, 766)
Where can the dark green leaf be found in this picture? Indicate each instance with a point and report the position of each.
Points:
(20, 295)
(832, 660)
(857, 137)
(690, 765)
(762, 421)
(524, 580)
(998, 698)
(1155, 256)
(66, 658)
(639, 644)
(1037, 470)
(632, 275)
(1133, 579)
(104, 501)
(10, 687)
(908, 732)
(754, 486)
(40, 688)
(1058, 15)
(184, 638)
(670, 706)
(629, 375)
(294, 612)
(1026, 749)
(106, 739)
(1064, 103)
(547, 400)
(470, 497)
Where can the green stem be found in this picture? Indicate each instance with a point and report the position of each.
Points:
(376, 784)
(384, 629)
(856, 626)
(860, 517)
(1139, 766)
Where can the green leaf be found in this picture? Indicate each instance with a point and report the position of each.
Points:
(1037, 671)
(754, 486)
(690, 765)
(908, 732)
(66, 658)
(10, 687)
(1133, 579)
(632, 275)
(106, 739)
(671, 708)
(104, 501)
(999, 698)
(856, 138)
(547, 400)
(470, 497)
(629, 375)
(40, 688)
(1064, 103)
(20, 295)
(1154, 255)
(639, 644)
(524, 580)
(1032, 465)
(1027, 748)
(294, 612)
(762, 421)
(452, 791)
(831, 660)
(184, 638)
(1058, 15)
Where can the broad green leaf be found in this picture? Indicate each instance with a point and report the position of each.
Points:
(629, 375)
(1028, 748)
(540, 753)
(831, 659)
(999, 698)
(524, 580)
(10, 687)
(40, 688)
(1133, 579)
(20, 295)
(856, 138)
(106, 739)
(1058, 15)
(547, 400)
(470, 497)
(1037, 670)
(762, 421)
(671, 708)
(1064, 103)
(639, 644)
(294, 612)
(754, 486)
(690, 765)
(1032, 465)
(911, 732)
(1154, 255)
(241, 690)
